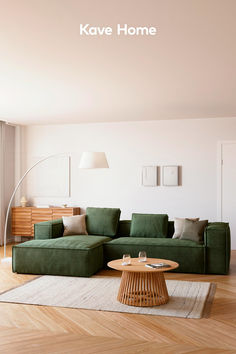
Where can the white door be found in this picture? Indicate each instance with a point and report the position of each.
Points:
(228, 211)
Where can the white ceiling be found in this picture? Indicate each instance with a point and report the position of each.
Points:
(50, 74)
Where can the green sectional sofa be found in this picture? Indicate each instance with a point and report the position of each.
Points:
(109, 238)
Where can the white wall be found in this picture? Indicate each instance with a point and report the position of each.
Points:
(191, 144)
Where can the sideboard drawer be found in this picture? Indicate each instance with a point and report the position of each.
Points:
(21, 221)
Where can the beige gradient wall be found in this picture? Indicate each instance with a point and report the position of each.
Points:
(53, 75)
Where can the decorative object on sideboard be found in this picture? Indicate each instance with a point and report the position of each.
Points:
(150, 176)
(90, 159)
(170, 175)
(23, 202)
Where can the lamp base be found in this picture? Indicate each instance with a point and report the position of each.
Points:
(6, 260)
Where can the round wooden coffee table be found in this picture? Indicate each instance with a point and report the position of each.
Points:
(140, 285)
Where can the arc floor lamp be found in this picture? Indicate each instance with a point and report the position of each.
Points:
(89, 160)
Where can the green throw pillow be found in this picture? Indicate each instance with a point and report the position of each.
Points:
(149, 225)
(193, 230)
(102, 221)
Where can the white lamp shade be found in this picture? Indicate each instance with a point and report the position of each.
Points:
(93, 160)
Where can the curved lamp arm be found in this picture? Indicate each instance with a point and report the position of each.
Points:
(15, 190)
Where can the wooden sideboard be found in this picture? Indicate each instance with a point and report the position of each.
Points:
(23, 219)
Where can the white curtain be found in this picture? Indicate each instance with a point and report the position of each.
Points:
(2, 177)
(7, 171)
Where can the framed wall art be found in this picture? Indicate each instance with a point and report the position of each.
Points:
(170, 175)
(150, 176)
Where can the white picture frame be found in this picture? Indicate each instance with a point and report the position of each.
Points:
(149, 176)
(170, 175)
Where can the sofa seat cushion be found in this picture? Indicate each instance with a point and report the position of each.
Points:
(68, 242)
(149, 225)
(148, 241)
(189, 254)
(102, 221)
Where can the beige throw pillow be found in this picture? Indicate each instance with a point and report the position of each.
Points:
(193, 230)
(74, 225)
(179, 226)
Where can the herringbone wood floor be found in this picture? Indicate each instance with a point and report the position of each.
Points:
(39, 329)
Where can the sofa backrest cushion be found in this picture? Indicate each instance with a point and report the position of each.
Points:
(102, 221)
(125, 225)
(149, 225)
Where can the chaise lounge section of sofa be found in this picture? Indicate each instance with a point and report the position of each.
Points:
(109, 238)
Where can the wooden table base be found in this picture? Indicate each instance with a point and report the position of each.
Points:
(143, 289)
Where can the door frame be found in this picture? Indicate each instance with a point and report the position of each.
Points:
(220, 145)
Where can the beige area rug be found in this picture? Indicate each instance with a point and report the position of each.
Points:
(187, 299)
